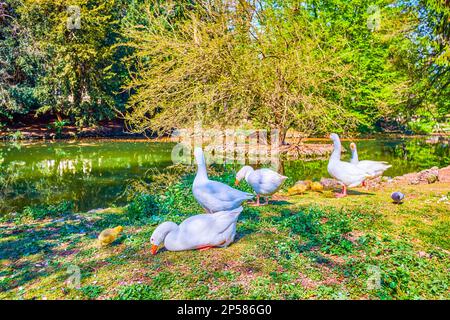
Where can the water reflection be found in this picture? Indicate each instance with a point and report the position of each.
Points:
(94, 174)
(91, 174)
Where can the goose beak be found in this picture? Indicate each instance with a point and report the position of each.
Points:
(236, 182)
(154, 249)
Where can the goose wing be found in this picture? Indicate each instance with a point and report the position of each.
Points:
(348, 173)
(374, 167)
(265, 180)
(221, 191)
(203, 228)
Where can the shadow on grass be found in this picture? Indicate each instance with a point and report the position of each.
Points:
(279, 202)
(32, 249)
(353, 192)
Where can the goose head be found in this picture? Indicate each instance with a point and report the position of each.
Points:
(334, 137)
(337, 146)
(354, 153)
(243, 174)
(160, 233)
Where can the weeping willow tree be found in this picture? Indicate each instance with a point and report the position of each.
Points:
(270, 64)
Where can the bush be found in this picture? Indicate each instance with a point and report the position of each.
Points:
(421, 126)
(143, 206)
(44, 211)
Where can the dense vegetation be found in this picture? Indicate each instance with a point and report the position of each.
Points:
(310, 65)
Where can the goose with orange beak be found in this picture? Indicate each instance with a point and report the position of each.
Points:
(375, 168)
(201, 232)
(264, 181)
(348, 174)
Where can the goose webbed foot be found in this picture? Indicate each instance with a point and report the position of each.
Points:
(257, 203)
(343, 194)
(203, 248)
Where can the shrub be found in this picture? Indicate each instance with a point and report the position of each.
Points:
(143, 206)
(421, 127)
(52, 210)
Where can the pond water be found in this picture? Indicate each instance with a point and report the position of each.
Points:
(94, 173)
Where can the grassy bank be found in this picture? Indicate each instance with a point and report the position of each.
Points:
(308, 246)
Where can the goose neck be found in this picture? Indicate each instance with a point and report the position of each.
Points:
(355, 156)
(336, 155)
(202, 174)
(248, 173)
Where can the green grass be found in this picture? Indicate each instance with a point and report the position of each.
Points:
(311, 246)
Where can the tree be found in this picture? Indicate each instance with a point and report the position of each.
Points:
(277, 64)
(430, 63)
(377, 48)
(80, 77)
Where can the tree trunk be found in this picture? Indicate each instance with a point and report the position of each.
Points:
(282, 136)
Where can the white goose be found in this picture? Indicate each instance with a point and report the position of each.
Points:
(214, 196)
(202, 231)
(264, 181)
(375, 168)
(348, 174)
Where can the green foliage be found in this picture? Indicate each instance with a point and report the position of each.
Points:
(20, 63)
(138, 292)
(400, 266)
(430, 61)
(143, 207)
(421, 126)
(91, 291)
(15, 135)
(45, 211)
(58, 126)
(56, 68)
(173, 63)
(79, 81)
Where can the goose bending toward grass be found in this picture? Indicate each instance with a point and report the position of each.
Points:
(375, 168)
(348, 174)
(214, 196)
(202, 231)
(264, 181)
